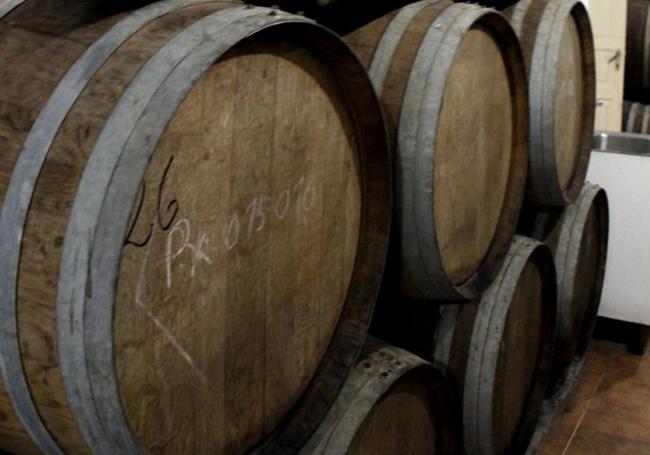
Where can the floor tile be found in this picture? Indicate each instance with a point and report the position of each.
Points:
(608, 412)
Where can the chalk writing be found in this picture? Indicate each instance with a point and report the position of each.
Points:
(255, 217)
(183, 231)
(160, 326)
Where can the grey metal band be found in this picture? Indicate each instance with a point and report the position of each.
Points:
(416, 149)
(629, 125)
(646, 120)
(8, 6)
(383, 56)
(18, 198)
(97, 228)
(487, 333)
(518, 15)
(443, 337)
(542, 105)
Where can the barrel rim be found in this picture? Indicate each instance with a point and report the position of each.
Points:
(477, 413)
(416, 150)
(99, 250)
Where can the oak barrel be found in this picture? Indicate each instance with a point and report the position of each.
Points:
(196, 204)
(578, 238)
(499, 350)
(558, 47)
(636, 118)
(393, 402)
(452, 82)
(637, 51)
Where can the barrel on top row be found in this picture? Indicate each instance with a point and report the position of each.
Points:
(636, 118)
(637, 57)
(196, 201)
(452, 82)
(557, 44)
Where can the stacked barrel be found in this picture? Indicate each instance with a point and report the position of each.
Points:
(505, 315)
(202, 202)
(636, 118)
(637, 68)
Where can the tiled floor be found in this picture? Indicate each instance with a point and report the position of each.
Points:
(608, 412)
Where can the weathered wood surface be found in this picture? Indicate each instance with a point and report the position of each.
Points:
(558, 47)
(499, 350)
(201, 242)
(392, 402)
(452, 82)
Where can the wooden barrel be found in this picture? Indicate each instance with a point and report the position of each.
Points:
(452, 81)
(392, 402)
(636, 118)
(577, 237)
(196, 204)
(499, 350)
(627, 107)
(558, 46)
(637, 51)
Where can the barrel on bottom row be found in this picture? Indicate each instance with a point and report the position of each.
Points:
(578, 238)
(497, 350)
(393, 402)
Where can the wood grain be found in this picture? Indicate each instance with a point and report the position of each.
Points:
(273, 214)
(266, 245)
(402, 420)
